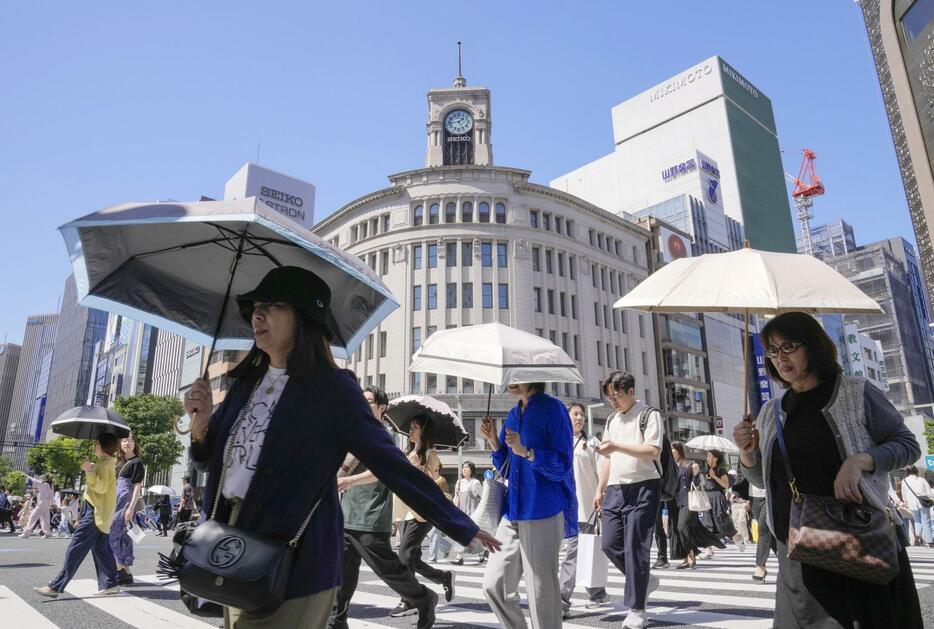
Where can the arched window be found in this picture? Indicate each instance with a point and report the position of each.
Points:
(434, 214)
(500, 213)
(450, 213)
(419, 215)
(483, 215)
(467, 212)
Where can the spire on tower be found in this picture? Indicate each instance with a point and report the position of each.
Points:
(459, 80)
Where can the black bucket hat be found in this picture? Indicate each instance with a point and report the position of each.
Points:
(298, 287)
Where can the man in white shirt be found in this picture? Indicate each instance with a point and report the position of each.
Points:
(918, 495)
(629, 490)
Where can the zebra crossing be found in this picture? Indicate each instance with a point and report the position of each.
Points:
(719, 593)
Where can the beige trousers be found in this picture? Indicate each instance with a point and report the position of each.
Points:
(306, 612)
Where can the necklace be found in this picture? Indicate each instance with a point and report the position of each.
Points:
(272, 385)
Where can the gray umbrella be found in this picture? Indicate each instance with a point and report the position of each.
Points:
(180, 266)
(88, 422)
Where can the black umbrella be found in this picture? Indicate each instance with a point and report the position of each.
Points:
(449, 433)
(87, 422)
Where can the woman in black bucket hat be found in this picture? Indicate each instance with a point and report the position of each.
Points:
(286, 448)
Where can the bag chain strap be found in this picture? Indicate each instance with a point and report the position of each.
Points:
(228, 453)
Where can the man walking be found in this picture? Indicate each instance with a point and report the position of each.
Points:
(367, 507)
(629, 490)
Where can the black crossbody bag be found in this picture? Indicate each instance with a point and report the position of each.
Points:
(228, 566)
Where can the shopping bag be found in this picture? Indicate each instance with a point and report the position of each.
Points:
(136, 533)
(592, 563)
(755, 531)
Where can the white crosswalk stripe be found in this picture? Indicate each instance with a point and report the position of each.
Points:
(718, 594)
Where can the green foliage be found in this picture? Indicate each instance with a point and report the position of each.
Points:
(929, 434)
(150, 417)
(61, 458)
(15, 483)
(6, 466)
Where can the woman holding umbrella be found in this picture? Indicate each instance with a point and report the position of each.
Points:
(129, 484)
(275, 441)
(715, 482)
(842, 438)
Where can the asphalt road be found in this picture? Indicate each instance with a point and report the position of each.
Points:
(719, 593)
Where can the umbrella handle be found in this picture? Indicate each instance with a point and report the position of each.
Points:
(179, 430)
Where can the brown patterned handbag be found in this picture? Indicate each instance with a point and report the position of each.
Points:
(857, 541)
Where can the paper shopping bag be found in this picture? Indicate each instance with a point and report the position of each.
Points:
(592, 564)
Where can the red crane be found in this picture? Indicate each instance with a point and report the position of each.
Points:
(807, 186)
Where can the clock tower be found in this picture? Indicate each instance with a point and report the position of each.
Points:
(459, 126)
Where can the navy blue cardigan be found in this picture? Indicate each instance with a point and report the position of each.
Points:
(317, 421)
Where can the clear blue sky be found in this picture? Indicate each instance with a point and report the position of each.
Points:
(109, 102)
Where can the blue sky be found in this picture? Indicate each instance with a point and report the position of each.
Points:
(110, 102)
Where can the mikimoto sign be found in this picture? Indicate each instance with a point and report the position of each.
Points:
(289, 196)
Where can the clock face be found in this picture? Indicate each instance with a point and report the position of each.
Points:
(458, 122)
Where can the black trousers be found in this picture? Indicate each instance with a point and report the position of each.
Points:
(6, 517)
(628, 515)
(410, 550)
(661, 540)
(764, 545)
(375, 549)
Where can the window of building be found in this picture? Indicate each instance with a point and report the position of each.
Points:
(599, 353)
(593, 237)
(416, 298)
(537, 293)
(577, 349)
(503, 296)
(416, 339)
(450, 384)
(574, 306)
(552, 336)
(502, 258)
(432, 256)
(419, 215)
(370, 343)
(372, 262)
(618, 254)
(450, 213)
(536, 259)
(500, 213)
(558, 224)
(569, 227)
(606, 317)
(353, 234)
(626, 358)
(683, 333)
(600, 241)
(549, 266)
(382, 381)
(594, 275)
(434, 214)
(483, 212)
(635, 254)
(416, 256)
(604, 282)
(432, 296)
(562, 302)
(564, 341)
(572, 263)
(546, 221)
(432, 383)
(487, 294)
(416, 382)
(385, 218)
(685, 398)
(609, 355)
(467, 386)
(642, 326)
(450, 295)
(618, 365)
(533, 218)
(382, 344)
(596, 314)
(615, 317)
(450, 254)
(560, 264)
(486, 254)
(622, 322)
(466, 254)
(384, 262)
(467, 212)
(551, 301)
(540, 332)
(363, 230)
(467, 295)
(917, 18)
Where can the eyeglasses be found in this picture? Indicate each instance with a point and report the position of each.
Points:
(784, 348)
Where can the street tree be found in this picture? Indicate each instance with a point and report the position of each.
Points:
(61, 459)
(151, 417)
(6, 466)
(15, 482)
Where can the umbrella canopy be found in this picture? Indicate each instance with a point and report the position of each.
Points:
(751, 281)
(713, 442)
(88, 422)
(180, 266)
(163, 490)
(495, 353)
(448, 430)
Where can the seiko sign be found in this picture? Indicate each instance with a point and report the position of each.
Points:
(290, 204)
(683, 81)
(281, 196)
(458, 138)
(290, 197)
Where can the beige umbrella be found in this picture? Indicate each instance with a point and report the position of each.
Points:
(748, 281)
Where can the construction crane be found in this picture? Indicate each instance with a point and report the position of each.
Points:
(807, 186)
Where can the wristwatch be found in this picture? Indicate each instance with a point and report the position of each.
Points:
(529, 454)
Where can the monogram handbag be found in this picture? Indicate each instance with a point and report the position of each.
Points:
(229, 566)
(857, 541)
(698, 500)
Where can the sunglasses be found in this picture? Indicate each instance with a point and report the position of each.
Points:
(784, 348)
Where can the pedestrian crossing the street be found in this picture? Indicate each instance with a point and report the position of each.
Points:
(718, 593)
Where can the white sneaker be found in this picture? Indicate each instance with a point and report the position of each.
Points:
(742, 547)
(707, 555)
(108, 591)
(636, 619)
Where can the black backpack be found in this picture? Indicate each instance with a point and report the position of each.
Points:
(668, 470)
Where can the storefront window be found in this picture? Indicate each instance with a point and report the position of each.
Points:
(684, 398)
(685, 334)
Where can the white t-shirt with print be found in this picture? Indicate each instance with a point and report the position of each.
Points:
(248, 440)
(624, 428)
